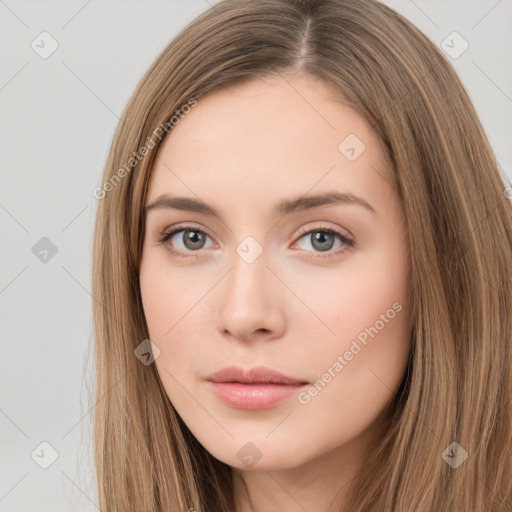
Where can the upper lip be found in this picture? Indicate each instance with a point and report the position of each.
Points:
(256, 375)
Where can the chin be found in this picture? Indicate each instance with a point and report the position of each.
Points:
(254, 456)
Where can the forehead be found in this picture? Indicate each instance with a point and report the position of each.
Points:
(266, 138)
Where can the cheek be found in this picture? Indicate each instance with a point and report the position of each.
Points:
(354, 380)
(166, 294)
(162, 309)
(352, 299)
(366, 309)
(156, 301)
(171, 301)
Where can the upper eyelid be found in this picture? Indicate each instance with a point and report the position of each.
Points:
(187, 227)
(339, 230)
(303, 230)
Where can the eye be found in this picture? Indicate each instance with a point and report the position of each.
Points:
(322, 239)
(191, 239)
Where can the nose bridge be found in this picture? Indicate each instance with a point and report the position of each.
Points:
(249, 302)
(249, 273)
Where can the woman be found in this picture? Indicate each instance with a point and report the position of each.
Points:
(303, 274)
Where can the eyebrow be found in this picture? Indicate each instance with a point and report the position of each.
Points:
(285, 207)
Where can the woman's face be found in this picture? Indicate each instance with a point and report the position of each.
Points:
(253, 179)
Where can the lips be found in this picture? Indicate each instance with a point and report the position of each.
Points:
(254, 388)
(256, 375)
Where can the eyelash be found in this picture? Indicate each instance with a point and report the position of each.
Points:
(348, 242)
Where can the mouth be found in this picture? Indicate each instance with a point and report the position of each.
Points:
(254, 388)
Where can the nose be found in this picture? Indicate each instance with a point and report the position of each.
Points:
(251, 302)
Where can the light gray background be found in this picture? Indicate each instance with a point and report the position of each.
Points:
(58, 118)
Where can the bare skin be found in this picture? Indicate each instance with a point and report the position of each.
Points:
(300, 305)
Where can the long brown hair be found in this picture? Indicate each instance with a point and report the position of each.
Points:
(457, 388)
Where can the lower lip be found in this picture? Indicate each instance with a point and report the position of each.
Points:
(253, 396)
